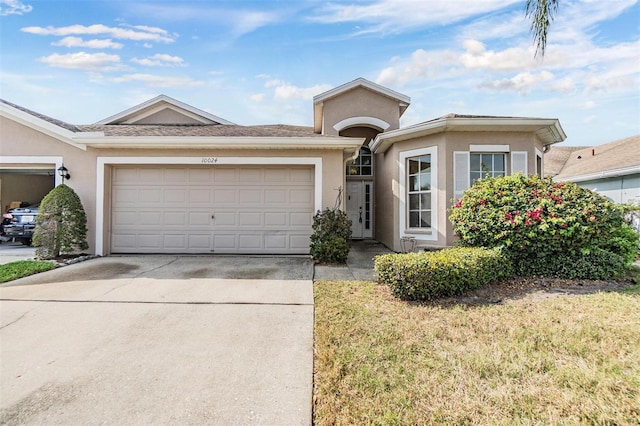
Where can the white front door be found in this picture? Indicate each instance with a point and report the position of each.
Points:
(359, 209)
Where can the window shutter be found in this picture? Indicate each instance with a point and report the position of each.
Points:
(460, 173)
(519, 162)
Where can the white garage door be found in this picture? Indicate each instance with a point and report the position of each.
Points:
(219, 209)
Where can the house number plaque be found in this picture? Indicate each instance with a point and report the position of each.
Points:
(209, 160)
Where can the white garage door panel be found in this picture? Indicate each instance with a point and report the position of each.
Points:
(204, 209)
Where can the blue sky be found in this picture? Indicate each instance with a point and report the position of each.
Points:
(261, 62)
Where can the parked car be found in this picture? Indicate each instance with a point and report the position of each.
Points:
(19, 224)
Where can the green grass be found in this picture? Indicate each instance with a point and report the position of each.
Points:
(562, 360)
(23, 268)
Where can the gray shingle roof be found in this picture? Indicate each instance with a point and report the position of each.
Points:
(214, 130)
(581, 161)
(58, 123)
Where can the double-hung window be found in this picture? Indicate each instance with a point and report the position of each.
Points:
(419, 191)
(418, 196)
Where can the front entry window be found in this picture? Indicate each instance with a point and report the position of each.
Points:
(363, 165)
(419, 191)
(486, 165)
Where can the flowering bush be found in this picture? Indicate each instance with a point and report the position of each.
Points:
(538, 221)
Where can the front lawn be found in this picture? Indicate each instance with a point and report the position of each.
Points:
(536, 359)
(23, 268)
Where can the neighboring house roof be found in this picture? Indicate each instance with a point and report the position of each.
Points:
(618, 158)
(318, 101)
(556, 157)
(547, 129)
(153, 106)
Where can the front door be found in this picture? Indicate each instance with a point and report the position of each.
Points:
(359, 208)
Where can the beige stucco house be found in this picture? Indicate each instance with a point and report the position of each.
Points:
(165, 177)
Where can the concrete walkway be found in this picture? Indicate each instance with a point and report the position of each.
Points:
(359, 263)
(158, 340)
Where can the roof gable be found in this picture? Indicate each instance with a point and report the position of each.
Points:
(318, 100)
(164, 110)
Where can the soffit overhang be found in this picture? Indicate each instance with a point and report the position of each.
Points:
(348, 145)
(548, 130)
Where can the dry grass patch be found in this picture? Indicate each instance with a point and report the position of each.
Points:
(563, 360)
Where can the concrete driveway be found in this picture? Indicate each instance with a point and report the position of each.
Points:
(159, 340)
(11, 251)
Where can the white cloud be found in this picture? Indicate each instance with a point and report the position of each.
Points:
(159, 80)
(496, 26)
(13, 7)
(83, 61)
(71, 41)
(522, 83)
(400, 15)
(141, 33)
(159, 60)
(285, 91)
(477, 56)
(239, 21)
(421, 64)
(258, 97)
(587, 105)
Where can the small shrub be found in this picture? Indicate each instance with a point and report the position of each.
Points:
(540, 222)
(61, 225)
(449, 272)
(330, 237)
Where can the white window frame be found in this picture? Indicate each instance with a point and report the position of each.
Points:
(427, 234)
(519, 162)
(359, 166)
(492, 153)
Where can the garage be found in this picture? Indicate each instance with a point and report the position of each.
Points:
(26, 185)
(222, 209)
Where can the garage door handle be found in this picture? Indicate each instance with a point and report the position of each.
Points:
(213, 216)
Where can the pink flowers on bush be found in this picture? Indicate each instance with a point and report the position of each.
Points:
(536, 219)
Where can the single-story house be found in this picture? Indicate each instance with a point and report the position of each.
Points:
(611, 169)
(166, 177)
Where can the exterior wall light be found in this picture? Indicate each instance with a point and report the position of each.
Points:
(64, 173)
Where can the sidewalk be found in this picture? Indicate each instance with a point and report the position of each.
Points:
(359, 265)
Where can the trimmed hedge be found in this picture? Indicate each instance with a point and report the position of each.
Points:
(448, 272)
